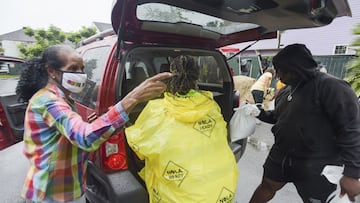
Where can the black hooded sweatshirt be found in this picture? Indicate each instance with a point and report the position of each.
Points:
(322, 121)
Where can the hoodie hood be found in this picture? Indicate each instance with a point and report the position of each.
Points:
(190, 107)
(297, 60)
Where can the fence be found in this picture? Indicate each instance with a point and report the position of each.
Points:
(334, 64)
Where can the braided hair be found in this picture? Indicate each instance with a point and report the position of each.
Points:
(34, 75)
(185, 74)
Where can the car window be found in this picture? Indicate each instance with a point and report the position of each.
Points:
(172, 14)
(11, 70)
(95, 62)
(210, 71)
(142, 63)
(161, 64)
(10, 67)
(136, 71)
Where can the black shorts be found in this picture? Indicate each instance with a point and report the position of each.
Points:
(305, 174)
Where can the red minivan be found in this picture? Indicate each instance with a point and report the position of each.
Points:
(146, 36)
(112, 171)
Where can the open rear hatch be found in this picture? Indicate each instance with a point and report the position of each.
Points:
(217, 23)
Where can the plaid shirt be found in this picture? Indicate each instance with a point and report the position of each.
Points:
(57, 142)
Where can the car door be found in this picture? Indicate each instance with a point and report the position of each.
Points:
(12, 111)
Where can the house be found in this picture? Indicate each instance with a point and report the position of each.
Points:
(331, 44)
(10, 41)
(102, 26)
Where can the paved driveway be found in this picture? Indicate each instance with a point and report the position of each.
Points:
(13, 170)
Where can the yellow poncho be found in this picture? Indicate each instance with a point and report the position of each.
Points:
(183, 140)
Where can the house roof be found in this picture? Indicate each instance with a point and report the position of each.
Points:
(102, 26)
(20, 36)
(17, 35)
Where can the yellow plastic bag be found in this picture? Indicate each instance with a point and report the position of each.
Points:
(184, 144)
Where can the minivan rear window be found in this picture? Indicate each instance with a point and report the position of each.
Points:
(171, 14)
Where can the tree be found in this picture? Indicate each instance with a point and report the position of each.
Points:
(1, 48)
(84, 33)
(215, 23)
(353, 68)
(53, 35)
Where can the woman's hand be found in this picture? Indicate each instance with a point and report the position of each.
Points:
(148, 89)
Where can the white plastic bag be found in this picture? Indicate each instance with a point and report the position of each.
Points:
(243, 122)
(334, 174)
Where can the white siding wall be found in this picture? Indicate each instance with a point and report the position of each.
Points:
(322, 41)
(10, 48)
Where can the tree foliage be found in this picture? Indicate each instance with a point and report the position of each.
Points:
(1, 49)
(353, 68)
(175, 14)
(53, 35)
(85, 32)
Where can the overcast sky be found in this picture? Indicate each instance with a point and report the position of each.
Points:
(68, 15)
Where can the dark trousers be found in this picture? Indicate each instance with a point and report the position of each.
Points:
(305, 174)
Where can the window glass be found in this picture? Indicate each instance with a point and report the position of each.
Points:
(161, 64)
(172, 14)
(95, 62)
(11, 68)
(136, 72)
(144, 62)
(210, 71)
(340, 49)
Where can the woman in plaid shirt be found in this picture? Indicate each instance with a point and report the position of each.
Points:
(56, 139)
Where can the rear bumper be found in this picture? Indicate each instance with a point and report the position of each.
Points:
(117, 187)
(122, 186)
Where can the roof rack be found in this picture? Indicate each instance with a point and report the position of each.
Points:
(97, 37)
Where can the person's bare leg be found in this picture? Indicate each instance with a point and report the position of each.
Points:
(266, 190)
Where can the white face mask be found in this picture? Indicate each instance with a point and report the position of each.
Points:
(74, 82)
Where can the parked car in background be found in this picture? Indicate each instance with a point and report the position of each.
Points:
(4, 69)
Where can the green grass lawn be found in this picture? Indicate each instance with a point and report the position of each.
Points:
(7, 76)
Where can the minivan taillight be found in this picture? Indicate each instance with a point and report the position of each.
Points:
(6, 135)
(112, 153)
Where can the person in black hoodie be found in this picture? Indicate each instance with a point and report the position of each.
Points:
(316, 123)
